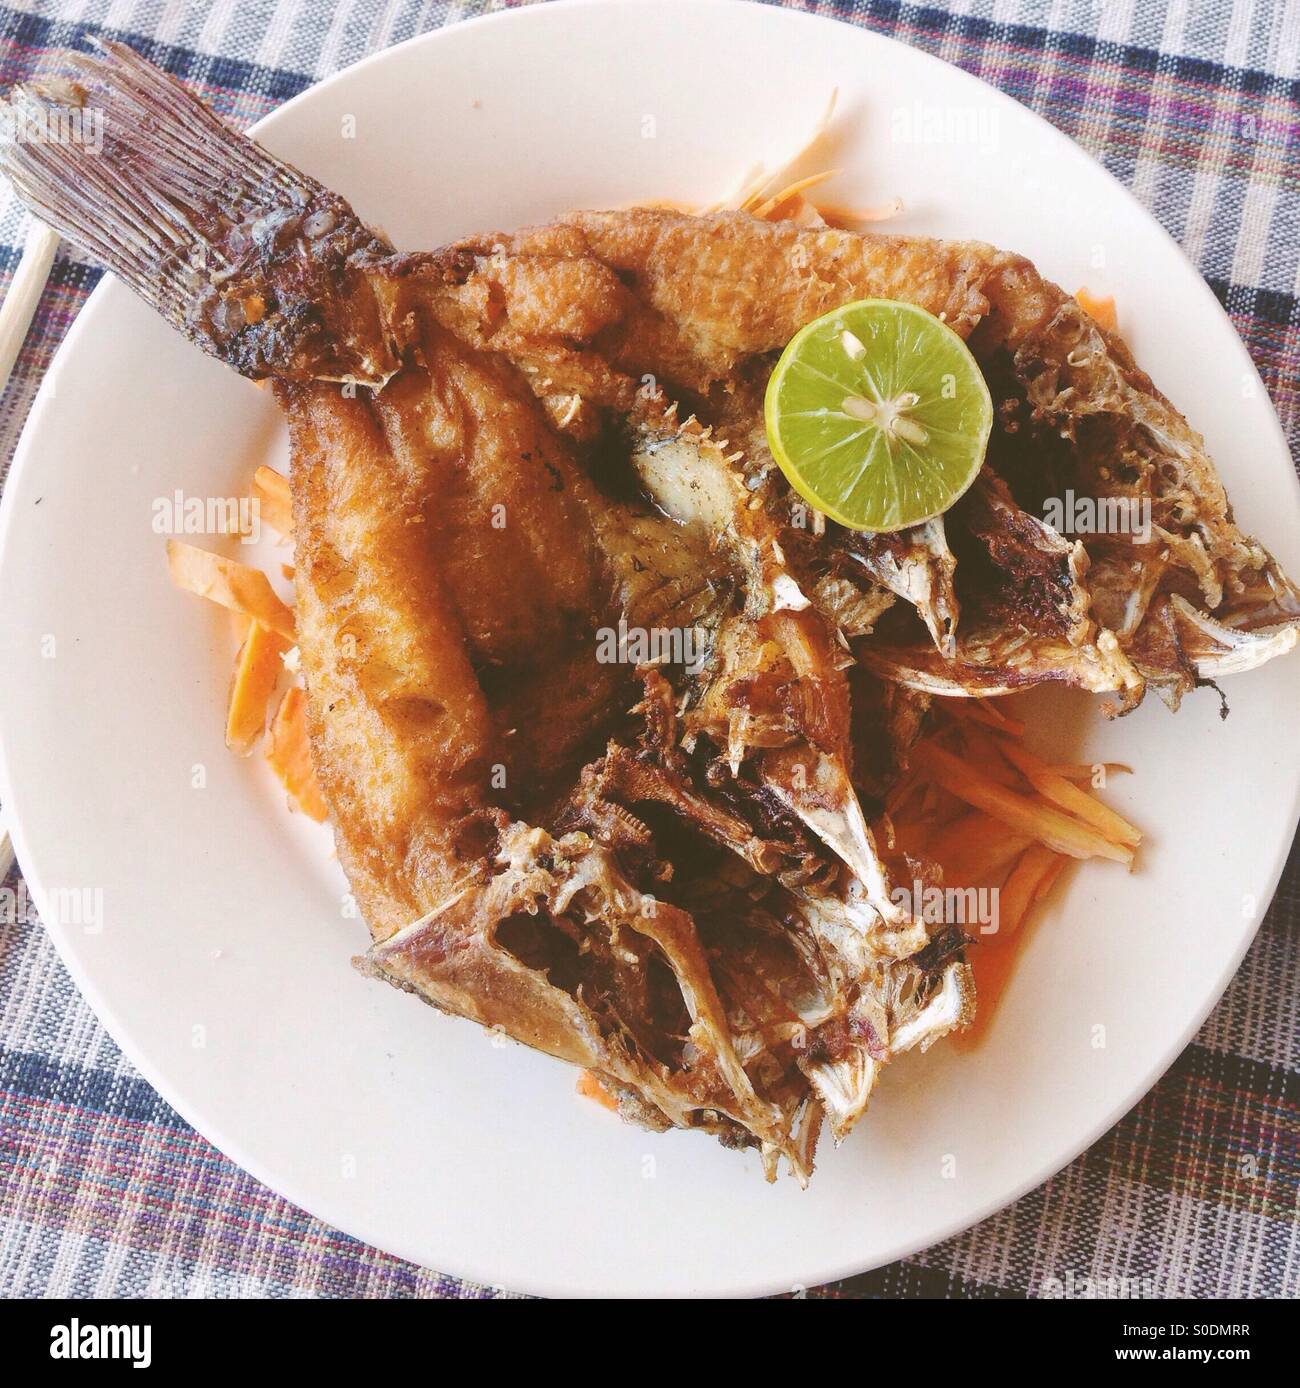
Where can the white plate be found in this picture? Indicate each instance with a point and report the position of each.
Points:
(222, 965)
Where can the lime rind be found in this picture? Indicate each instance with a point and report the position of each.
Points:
(928, 406)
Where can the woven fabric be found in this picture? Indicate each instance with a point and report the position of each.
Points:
(104, 1191)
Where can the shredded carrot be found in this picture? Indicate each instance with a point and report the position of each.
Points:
(838, 216)
(767, 210)
(800, 211)
(1021, 889)
(290, 754)
(986, 711)
(757, 185)
(229, 583)
(992, 958)
(1067, 796)
(983, 752)
(774, 195)
(1049, 826)
(974, 849)
(1022, 821)
(1046, 880)
(257, 669)
(271, 492)
(1100, 308)
(591, 1088)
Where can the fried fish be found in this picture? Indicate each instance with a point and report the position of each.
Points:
(708, 302)
(511, 450)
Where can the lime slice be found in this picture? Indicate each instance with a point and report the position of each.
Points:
(878, 415)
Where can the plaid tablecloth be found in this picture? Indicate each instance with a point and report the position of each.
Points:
(104, 1191)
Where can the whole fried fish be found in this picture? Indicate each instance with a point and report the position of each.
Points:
(515, 450)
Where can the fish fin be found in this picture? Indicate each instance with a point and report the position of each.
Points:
(258, 264)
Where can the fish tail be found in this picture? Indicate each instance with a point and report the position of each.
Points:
(255, 262)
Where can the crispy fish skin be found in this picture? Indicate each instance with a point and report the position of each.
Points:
(599, 299)
(697, 305)
(498, 499)
(401, 732)
(511, 521)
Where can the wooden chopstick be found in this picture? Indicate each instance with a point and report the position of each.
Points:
(24, 294)
(15, 318)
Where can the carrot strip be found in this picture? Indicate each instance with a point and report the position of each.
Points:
(1069, 797)
(765, 210)
(290, 754)
(845, 217)
(1049, 826)
(974, 849)
(1099, 307)
(765, 180)
(800, 211)
(229, 583)
(257, 669)
(271, 492)
(1021, 889)
(1047, 879)
(985, 711)
(901, 792)
(984, 753)
(993, 958)
(591, 1088)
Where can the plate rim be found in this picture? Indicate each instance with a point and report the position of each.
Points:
(120, 1029)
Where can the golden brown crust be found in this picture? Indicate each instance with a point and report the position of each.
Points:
(401, 733)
